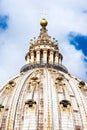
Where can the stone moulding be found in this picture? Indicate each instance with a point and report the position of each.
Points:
(54, 66)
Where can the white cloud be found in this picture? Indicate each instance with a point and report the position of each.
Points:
(63, 16)
(74, 60)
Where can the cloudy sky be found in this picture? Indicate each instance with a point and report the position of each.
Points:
(19, 22)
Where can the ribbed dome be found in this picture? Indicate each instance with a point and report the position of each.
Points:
(43, 96)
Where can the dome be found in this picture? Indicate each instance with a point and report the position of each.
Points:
(44, 95)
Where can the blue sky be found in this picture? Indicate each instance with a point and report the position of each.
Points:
(4, 22)
(79, 41)
(19, 22)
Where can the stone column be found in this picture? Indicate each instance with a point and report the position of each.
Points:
(27, 59)
(60, 58)
(45, 56)
(37, 56)
(32, 57)
(56, 58)
(51, 57)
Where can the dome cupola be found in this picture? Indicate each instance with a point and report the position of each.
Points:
(43, 51)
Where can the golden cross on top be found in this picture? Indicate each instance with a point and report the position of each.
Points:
(43, 14)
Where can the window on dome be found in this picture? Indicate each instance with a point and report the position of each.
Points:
(65, 103)
(30, 103)
(1, 107)
(78, 128)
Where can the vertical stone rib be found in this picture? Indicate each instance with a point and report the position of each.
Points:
(78, 103)
(48, 120)
(40, 105)
(14, 102)
(55, 104)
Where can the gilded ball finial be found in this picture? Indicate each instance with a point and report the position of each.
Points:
(43, 23)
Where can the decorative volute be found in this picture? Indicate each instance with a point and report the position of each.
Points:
(43, 51)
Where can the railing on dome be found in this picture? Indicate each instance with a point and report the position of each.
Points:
(43, 65)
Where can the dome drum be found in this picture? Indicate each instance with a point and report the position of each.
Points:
(46, 57)
(45, 54)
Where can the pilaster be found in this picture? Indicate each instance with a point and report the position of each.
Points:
(37, 56)
(51, 57)
(56, 58)
(45, 56)
(32, 57)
